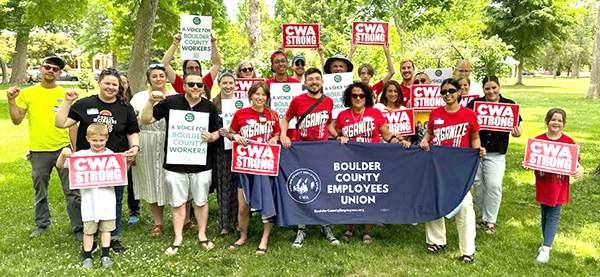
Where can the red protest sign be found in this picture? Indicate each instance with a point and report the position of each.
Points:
(425, 97)
(401, 121)
(300, 35)
(96, 171)
(465, 99)
(255, 158)
(242, 85)
(550, 156)
(370, 33)
(501, 117)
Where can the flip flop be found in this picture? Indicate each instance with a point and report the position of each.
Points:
(172, 250)
(207, 244)
(235, 246)
(261, 251)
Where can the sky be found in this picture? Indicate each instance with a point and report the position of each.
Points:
(232, 7)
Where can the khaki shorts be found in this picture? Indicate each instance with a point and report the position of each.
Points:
(187, 186)
(91, 227)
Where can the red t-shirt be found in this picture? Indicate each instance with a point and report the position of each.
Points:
(207, 79)
(361, 127)
(453, 129)
(314, 125)
(377, 88)
(246, 122)
(289, 80)
(552, 189)
(405, 95)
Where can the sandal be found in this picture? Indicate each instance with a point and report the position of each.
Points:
(434, 248)
(172, 250)
(367, 239)
(207, 244)
(235, 246)
(490, 228)
(157, 230)
(347, 235)
(261, 251)
(467, 259)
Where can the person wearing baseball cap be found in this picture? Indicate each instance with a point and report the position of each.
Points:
(298, 63)
(41, 102)
(279, 66)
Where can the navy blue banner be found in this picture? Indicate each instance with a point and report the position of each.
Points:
(357, 183)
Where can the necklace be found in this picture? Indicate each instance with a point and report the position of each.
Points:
(360, 118)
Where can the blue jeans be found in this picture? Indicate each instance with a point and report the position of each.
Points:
(550, 219)
(116, 233)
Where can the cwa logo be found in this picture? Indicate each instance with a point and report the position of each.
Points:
(304, 185)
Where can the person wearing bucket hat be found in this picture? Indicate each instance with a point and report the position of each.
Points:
(40, 103)
(338, 64)
(279, 66)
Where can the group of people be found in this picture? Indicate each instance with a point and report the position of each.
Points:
(114, 120)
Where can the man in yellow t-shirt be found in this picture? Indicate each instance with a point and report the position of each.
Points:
(40, 103)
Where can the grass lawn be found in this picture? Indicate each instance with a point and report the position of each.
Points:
(397, 250)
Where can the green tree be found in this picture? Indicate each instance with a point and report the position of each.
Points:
(22, 16)
(528, 25)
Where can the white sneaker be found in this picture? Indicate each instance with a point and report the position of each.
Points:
(543, 254)
(326, 230)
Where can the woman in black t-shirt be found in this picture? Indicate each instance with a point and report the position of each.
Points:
(488, 181)
(108, 107)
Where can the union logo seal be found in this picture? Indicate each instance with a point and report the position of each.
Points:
(197, 20)
(189, 117)
(304, 185)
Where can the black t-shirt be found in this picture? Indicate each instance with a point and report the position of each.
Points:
(494, 141)
(118, 116)
(178, 102)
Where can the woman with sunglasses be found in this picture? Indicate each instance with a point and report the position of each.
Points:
(245, 69)
(192, 66)
(391, 101)
(255, 192)
(107, 107)
(488, 181)
(148, 173)
(224, 180)
(443, 120)
(361, 123)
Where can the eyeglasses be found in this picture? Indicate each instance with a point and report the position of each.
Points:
(357, 96)
(51, 68)
(419, 81)
(451, 91)
(192, 84)
(299, 63)
(280, 61)
(247, 69)
(156, 65)
(192, 68)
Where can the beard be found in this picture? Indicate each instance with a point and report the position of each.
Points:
(314, 92)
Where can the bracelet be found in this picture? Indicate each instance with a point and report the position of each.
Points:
(138, 147)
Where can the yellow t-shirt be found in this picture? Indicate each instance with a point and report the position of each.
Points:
(41, 105)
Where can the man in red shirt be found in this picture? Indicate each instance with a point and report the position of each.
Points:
(279, 66)
(312, 112)
(407, 70)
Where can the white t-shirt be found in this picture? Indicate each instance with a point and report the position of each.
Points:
(96, 203)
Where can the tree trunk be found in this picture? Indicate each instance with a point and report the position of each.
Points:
(19, 59)
(4, 71)
(142, 42)
(115, 62)
(253, 25)
(520, 73)
(594, 91)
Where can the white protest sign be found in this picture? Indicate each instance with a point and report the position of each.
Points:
(281, 97)
(437, 75)
(195, 37)
(184, 142)
(228, 109)
(334, 85)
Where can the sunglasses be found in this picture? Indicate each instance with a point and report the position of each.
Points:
(192, 84)
(451, 91)
(156, 65)
(247, 69)
(51, 68)
(280, 61)
(419, 81)
(300, 63)
(358, 96)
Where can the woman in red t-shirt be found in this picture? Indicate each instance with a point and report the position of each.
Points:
(361, 123)
(454, 126)
(552, 190)
(256, 123)
(391, 101)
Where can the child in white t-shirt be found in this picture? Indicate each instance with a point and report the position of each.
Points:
(97, 204)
